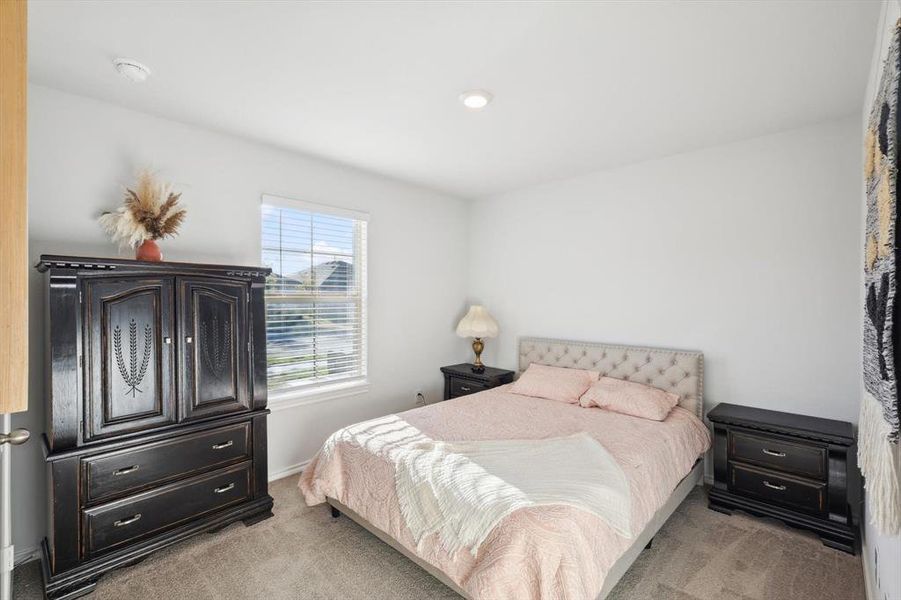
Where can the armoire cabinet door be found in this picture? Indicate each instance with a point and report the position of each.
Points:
(214, 339)
(128, 355)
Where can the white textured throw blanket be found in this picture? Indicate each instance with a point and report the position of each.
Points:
(462, 490)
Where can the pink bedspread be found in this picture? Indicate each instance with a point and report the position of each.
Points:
(544, 552)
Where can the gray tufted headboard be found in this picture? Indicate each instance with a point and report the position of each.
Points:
(677, 371)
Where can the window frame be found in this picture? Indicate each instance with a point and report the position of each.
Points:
(347, 386)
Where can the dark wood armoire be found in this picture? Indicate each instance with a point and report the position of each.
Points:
(156, 409)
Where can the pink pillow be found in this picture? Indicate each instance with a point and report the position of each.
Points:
(554, 383)
(629, 398)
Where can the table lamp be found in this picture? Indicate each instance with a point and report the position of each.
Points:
(477, 324)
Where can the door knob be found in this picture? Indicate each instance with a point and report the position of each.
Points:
(15, 437)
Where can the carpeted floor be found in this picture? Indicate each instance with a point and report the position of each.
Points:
(303, 553)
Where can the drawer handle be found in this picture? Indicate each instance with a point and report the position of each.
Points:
(223, 445)
(778, 488)
(773, 453)
(464, 388)
(126, 470)
(224, 488)
(128, 521)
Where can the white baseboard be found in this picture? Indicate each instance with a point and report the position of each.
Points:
(25, 555)
(868, 584)
(288, 471)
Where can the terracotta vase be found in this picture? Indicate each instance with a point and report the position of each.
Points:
(149, 251)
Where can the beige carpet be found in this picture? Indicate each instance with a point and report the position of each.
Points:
(303, 553)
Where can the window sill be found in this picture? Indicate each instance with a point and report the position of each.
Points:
(317, 395)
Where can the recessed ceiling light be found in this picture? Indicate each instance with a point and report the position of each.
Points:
(475, 99)
(131, 69)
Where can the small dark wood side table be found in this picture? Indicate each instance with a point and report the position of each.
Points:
(460, 380)
(794, 468)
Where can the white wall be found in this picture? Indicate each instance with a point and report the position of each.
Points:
(749, 252)
(884, 575)
(80, 150)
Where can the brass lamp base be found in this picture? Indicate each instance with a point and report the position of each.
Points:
(477, 347)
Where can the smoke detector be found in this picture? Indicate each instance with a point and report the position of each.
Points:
(131, 69)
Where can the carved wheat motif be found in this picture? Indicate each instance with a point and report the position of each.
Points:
(214, 346)
(133, 373)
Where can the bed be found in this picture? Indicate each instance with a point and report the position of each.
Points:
(543, 551)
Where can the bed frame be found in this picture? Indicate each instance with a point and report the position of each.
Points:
(678, 371)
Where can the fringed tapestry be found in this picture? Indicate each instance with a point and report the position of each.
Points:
(878, 444)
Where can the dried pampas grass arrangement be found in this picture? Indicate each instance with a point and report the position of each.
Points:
(149, 212)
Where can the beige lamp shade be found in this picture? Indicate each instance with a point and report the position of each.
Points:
(477, 324)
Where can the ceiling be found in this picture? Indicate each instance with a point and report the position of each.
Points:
(578, 86)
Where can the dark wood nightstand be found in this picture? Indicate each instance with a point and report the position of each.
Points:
(459, 380)
(794, 468)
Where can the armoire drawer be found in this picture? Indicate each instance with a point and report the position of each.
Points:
(131, 470)
(114, 524)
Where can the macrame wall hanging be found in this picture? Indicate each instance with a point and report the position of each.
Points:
(878, 434)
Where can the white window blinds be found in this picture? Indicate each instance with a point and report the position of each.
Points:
(315, 296)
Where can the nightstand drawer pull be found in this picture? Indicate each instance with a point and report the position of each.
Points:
(128, 521)
(779, 488)
(126, 470)
(773, 453)
(224, 488)
(463, 388)
(223, 445)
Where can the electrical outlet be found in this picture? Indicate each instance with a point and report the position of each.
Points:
(420, 398)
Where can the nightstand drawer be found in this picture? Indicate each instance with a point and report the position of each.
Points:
(463, 387)
(465, 379)
(809, 496)
(799, 458)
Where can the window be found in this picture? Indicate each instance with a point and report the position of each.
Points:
(315, 296)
